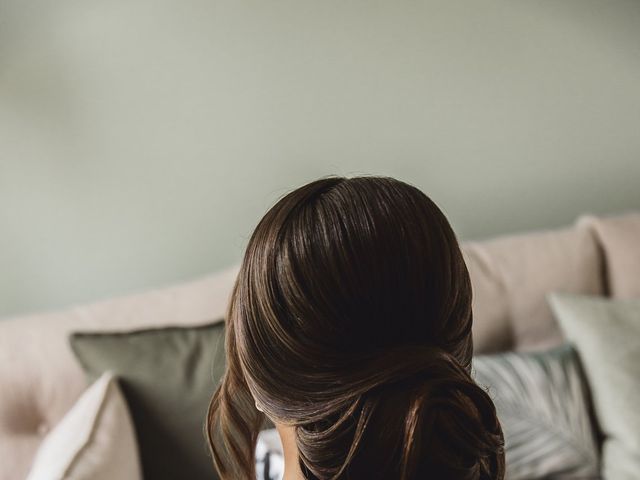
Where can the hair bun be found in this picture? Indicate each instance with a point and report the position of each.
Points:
(443, 424)
(455, 420)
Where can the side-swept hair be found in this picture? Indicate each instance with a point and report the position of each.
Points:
(350, 320)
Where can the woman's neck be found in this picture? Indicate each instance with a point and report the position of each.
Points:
(292, 469)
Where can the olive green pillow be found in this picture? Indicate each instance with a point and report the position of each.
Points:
(167, 376)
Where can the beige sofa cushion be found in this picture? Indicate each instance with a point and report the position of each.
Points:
(510, 276)
(491, 325)
(619, 236)
(39, 378)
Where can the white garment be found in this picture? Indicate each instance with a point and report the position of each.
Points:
(269, 456)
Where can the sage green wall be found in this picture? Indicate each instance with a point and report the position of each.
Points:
(141, 140)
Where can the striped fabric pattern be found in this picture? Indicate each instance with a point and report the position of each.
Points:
(544, 408)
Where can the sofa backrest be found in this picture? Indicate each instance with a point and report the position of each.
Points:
(510, 276)
(619, 239)
(40, 380)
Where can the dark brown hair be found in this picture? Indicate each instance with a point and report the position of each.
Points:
(350, 319)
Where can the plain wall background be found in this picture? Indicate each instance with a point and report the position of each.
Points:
(142, 140)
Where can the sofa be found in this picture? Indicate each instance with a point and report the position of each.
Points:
(40, 379)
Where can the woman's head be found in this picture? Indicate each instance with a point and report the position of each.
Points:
(350, 321)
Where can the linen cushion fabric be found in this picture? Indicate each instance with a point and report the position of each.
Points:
(606, 333)
(543, 405)
(491, 329)
(168, 376)
(95, 440)
(510, 276)
(619, 236)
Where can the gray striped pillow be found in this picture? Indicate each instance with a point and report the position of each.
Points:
(543, 405)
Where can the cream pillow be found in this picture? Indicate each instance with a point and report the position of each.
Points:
(94, 440)
(606, 334)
